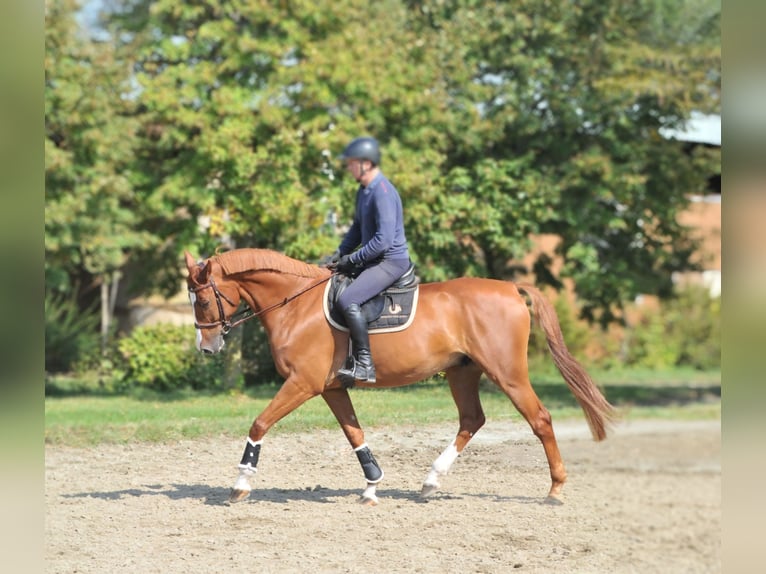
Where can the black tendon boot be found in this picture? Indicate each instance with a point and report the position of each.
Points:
(359, 365)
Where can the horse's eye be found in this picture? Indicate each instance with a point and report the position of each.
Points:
(197, 302)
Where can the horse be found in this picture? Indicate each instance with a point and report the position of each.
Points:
(464, 327)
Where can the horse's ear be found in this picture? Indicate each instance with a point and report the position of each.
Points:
(205, 271)
(190, 263)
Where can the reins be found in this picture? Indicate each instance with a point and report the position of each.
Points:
(228, 324)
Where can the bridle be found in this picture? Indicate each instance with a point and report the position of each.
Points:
(222, 321)
(228, 324)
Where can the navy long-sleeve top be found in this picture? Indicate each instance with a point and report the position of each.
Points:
(378, 224)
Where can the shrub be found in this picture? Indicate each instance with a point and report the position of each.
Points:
(71, 334)
(695, 320)
(164, 357)
(257, 363)
(649, 344)
(684, 331)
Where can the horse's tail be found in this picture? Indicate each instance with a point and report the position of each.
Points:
(598, 412)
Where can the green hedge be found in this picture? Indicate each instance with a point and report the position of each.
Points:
(685, 331)
(164, 357)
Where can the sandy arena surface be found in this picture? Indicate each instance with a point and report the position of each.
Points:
(648, 499)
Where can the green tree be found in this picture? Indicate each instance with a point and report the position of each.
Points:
(575, 95)
(92, 220)
(498, 121)
(244, 109)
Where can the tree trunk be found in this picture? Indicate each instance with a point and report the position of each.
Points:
(104, 314)
(109, 287)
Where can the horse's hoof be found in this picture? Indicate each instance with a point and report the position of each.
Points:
(368, 500)
(553, 499)
(428, 490)
(238, 495)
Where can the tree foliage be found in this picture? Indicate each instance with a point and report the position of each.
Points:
(498, 121)
(93, 220)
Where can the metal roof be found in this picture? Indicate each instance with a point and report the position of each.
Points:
(700, 128)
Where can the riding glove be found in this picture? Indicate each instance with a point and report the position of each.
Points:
(333, 260)
(345, 265)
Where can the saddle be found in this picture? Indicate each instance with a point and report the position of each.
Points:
(390, 311)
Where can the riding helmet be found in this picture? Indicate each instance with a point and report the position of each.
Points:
(363, 148)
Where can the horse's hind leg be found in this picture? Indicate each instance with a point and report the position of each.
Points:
(520, 391)
(464, 384)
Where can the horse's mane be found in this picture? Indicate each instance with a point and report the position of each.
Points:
(243, 260)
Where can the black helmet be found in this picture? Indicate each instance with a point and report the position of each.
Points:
(363, 148)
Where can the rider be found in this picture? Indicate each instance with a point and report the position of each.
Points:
(382, 256)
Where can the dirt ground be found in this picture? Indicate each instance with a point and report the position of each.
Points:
(648, 499)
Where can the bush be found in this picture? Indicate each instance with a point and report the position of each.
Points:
(695, 320)
(685, 331)
(164, 358)
(257, 363)
(71, 335)
(650, 345)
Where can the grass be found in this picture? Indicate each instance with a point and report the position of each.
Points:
(79, 415)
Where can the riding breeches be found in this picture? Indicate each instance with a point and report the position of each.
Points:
(372, 281)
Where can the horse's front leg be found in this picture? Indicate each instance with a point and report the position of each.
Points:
(341, 406)
(289, 398)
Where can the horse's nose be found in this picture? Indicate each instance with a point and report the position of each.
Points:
(212, 347)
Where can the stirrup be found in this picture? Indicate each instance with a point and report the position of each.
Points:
(353, 372)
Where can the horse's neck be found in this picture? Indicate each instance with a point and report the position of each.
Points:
(265, 292)
(262, 289)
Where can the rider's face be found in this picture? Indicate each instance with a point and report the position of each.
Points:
(354, 167)
(360, 169)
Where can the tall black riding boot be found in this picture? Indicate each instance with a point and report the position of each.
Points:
(359, 365)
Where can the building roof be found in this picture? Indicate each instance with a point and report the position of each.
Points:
(700, 128)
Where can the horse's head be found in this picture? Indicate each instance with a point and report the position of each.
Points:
(214, 300)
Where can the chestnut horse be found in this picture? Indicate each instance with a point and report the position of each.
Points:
(463, 327)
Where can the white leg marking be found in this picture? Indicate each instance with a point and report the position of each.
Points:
(441, 465)
(243, 480)
(369, 495)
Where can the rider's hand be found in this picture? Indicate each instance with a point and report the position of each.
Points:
(345, 265)
(333, 260)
